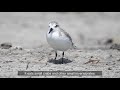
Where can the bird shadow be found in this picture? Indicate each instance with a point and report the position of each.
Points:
(59, 61)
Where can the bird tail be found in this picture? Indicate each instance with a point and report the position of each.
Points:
(74, 47)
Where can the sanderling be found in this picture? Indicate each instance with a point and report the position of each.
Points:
(58, 39)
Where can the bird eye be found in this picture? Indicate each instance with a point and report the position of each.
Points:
(56, 26)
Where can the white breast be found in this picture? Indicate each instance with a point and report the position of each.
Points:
(58, 42)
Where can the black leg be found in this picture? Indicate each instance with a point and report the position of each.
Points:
(55, 55)
(62, 57)
(62, 54)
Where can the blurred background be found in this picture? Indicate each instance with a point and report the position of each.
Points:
(28, 29)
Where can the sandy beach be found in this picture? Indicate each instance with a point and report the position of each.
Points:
(94, 33)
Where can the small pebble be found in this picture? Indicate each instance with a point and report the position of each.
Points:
(111, 56)
(6, 45)
(91, 56)
(115, 46)
(109, 68)
(118, 60)
(109, 41)
(18, 47)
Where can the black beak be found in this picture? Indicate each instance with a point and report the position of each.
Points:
(50, 30)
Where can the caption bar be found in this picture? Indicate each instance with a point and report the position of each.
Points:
(60, 73)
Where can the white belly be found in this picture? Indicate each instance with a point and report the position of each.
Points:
(60, 43)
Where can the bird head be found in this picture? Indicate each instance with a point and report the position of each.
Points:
(52, 26)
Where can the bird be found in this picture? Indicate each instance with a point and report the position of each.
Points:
(58, 39)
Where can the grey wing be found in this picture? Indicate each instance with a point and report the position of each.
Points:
(68, 36)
